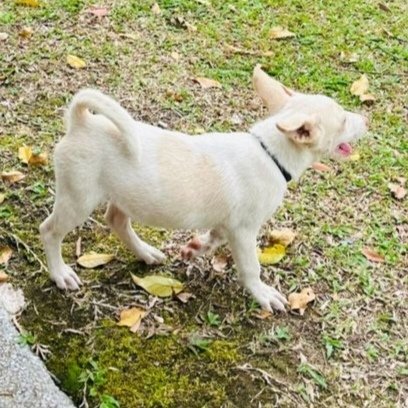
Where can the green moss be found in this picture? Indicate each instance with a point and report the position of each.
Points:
(222, 351)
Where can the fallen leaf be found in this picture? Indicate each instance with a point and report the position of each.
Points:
(93, 260)
(3, 277)
(360, 87)
(191, 27)
(373, 255)
(24, 154)
(397, 191)
(299, 301)
(27, 156)
(384, 7)
(354, 157)
(263, 314)
(2, 198)
(30, 3)
(158, 285)
(12, 177)
(207, 83)
(279, 32)
(271, 255)
(219, 263)
(132, 318)
(320, 166)
(26, 32)
(98, 11)
(3, 36)
(283, 237)
(5, 255)
(156, 9)
(78, 247)
(75, 62)
(184, 297)
(367, 98)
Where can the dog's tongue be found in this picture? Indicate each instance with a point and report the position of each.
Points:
(344, 149)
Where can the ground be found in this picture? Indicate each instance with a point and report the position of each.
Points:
(350, 348)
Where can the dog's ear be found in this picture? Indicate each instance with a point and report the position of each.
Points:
(273, 94)
(301, 128)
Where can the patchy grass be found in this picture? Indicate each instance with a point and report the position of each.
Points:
(350, 348)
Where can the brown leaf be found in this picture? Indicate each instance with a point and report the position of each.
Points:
(184, 297)
(132, 318)
(12, 177)
(279, 33)
(219, 263)
(207, 83)
(263, 314)
(243, 51)
(397, 191)
(320, 166)
(384, 7)
(367, 98)
(373, 255)
(156, 9)
(284, 237)
(3, 277)
(299, 301)
(5, 255)
(40, 159)
(98, 11)
(93, 260)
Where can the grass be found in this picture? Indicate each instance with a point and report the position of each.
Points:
(350, 348)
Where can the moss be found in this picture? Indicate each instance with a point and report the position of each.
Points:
(222, 351)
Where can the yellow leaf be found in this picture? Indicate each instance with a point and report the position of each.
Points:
(367, 98)
(156, 9)
(5, 255)
(283, 237)
(299, 301)
(2, 198)
(271, 255)
(24, 154)
(3, 277)
(360, 87)
(175, 55)
(26, 32)
(279, 32)
(158, 285)
(12, 177)
(75, 62)
(207, 83)
(354, 157)
(30, 3)
(93, 260)
(131, 318)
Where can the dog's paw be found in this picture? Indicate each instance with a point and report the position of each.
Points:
(192, 249)
(267, 296)
(151, 255)
(66, 278)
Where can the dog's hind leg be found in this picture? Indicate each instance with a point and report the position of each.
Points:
(119, 222)
(205, 243)
(70, 210)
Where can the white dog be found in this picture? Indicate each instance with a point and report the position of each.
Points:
(228, 183)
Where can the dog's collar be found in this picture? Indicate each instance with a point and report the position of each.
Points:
(284, 172)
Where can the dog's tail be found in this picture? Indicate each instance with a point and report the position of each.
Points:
(91, 99)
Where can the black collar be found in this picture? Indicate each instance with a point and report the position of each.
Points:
(284, 172)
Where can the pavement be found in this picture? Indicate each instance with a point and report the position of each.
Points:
(24, 379)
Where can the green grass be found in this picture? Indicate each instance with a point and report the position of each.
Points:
(350, 348)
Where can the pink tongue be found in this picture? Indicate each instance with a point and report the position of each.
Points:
(344, 149)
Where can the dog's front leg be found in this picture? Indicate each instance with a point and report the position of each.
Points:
(243, 247)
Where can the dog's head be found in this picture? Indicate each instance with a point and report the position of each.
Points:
(315, 122)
